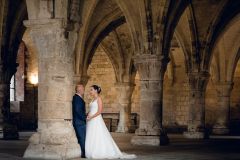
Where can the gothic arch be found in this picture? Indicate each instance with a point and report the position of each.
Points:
(88, 9)
(13, 31)
(95, 31)
(101, 31)
(186, 34)
(172, 15)
(129, 12)
(227, 10)
(232, 46)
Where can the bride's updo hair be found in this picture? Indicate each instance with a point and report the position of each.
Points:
(97, 88)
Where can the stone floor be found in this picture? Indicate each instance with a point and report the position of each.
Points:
(215, 148)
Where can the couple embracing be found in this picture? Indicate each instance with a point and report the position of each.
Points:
(93, 136)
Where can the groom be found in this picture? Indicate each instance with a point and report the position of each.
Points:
(79, 117)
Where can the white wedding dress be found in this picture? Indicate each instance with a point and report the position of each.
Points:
(99, 143)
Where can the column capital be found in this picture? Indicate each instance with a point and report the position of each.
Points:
(198, 80)
(45, 23)
(151, 67)
(145, 58)
(125, 91)
(48, 35)
(83, 79)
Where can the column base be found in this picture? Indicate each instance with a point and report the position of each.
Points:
(150, 140)
(56, 152)
(54, 140)
(220, 130)
(10, 132)
(146, 140)
(122, 129)
(194, 135)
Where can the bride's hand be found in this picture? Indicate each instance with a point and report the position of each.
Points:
(88, 117)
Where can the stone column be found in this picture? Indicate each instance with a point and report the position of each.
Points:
(196, 117)
(4, 115)
(151, 70)
(223, 113)
(1, 120)
(124, 91)
(81, 79)
(55, 137)
(2, 99)
(7, 126)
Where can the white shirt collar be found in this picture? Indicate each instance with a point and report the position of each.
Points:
(79, 95)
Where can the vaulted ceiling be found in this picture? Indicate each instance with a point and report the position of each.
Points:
(125, 28)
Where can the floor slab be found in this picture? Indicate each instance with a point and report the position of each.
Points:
(216, 148)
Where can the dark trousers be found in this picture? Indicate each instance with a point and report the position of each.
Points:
(81, 136)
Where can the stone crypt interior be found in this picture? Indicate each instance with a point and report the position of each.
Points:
(167, 69)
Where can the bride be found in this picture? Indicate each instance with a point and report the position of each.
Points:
(99, 143)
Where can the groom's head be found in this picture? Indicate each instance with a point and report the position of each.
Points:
(80, 89)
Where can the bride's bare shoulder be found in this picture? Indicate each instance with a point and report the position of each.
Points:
(99, 99)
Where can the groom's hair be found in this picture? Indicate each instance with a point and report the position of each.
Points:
(76, 87)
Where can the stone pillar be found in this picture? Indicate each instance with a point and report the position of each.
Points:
(81, 79)
(196, 117)
(151, 70)
(55, 137)
(223, 113)
(2, 99)
(1, 120)
(7, 126)
(124, 91)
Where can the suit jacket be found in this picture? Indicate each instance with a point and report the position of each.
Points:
(79, 110)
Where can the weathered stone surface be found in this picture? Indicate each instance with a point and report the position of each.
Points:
(151, 70)
(42, 151)
(105, 77)
(196, 119)
(193, 135)
(35, 139)
(125, 91)
(223, 114)
(55, 138)
(146, 30)
(146, 140)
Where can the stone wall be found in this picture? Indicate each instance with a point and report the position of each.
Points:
(176, 97)
(211, 103)
(211, 100)
(175, 100)
(102, 73)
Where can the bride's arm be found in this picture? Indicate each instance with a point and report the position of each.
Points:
(100, 106)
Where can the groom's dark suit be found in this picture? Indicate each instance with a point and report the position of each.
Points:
(79, 120)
